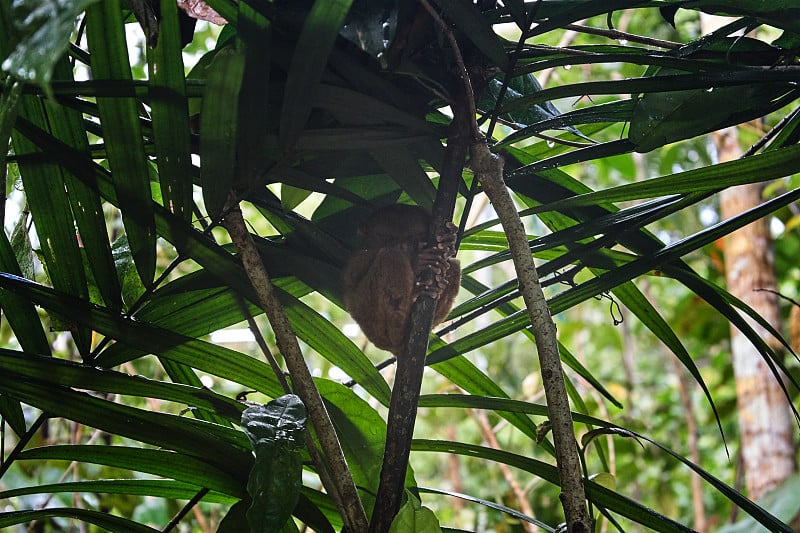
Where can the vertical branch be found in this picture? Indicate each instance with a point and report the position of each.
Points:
(489, 169)
(411, 363)
(341, 488)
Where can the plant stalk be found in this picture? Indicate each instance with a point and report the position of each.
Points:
(489, 169)
(411, 363)
(343, 489)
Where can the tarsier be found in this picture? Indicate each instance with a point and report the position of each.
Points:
(385, 276)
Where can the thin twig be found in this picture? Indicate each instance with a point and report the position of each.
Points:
(262, 345)
(624, 36)
(173, 523)
(519, 493)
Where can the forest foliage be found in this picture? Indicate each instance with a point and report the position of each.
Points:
(119, 275)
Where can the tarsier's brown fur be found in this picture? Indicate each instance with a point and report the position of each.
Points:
(383, 278)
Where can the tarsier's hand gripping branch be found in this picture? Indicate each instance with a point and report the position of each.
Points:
(397, 263)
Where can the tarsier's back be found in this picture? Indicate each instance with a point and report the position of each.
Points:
(382, 278)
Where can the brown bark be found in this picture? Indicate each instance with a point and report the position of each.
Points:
(489, 170)
(765, 420)
(339, 483)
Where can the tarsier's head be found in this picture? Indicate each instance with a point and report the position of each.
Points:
(395, 224)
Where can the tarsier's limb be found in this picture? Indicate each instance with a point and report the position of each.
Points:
(436, 258)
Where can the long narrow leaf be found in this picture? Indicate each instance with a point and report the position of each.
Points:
(159, 488)
(319, 32)
(607, 498)
(170, 115)
(204, 356)
(106, 521)
(122, 134)
(157, 462)
(218, 445)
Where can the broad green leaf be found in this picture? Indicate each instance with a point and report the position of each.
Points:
(218, 445)
(254, 124)
(19, 311)
(162, 463)
(160, 488)
(132, 287)
(277, 434)
(332, 344)
(753, 169)
(619, 111)
(362, 434)
(219, 122)
(661, 118)
(352, 107)
(10, 92)
(67, 125)
(780, 13)
(201, 355)
(354, 139)
(291, 196)
(170, 114)
(52, 213)
(58, 372)
(516, 88)
(235, 520)
(477, 28)
(404, 169)
(104, 520)
(666, 255)
(651, 84)
(413, 517)
(11, 412)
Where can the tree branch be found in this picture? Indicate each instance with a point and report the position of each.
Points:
(340, 485)
(489, 170)
(411, 363)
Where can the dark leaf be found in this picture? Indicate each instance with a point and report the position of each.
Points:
(44, 28)
(277, 433)
(662, 118)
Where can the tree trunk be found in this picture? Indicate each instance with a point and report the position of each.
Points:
(765, 420)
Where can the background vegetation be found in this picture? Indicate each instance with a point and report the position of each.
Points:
(130, 327)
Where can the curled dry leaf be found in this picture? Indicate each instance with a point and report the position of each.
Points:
(198, 9)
